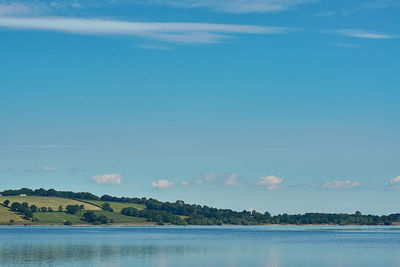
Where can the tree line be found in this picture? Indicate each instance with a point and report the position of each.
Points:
(180, 213)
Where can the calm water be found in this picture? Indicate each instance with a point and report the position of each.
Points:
(200, 246)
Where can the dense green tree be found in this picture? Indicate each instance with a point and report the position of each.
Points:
(102, 219)
(107, 207)
(72, 209)
(43, 209)
(6, 202)
(89, 216)
(60, 208)
(15, 206)
(34, 208)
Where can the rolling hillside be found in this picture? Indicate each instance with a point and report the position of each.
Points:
(53, 202)
(7, 216)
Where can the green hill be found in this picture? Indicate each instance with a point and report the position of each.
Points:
(7, 215)
(52, 202)
(117, 206)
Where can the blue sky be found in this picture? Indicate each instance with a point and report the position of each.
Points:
(279, 105)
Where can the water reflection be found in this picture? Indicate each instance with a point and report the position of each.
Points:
(194, 246)
(52, 254)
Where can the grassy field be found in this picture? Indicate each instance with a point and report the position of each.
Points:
(120, 218)
(61, 217)
(57, 218)
(118, 206)
(7, 215)
(52, 202)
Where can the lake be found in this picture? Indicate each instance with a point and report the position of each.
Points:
(232, 246)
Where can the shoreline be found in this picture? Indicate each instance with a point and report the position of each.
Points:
(173, 225)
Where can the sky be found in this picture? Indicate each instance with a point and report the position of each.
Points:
(286, 106)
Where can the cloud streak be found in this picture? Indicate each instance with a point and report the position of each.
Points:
(107, 179)
(179, 32)
(162, 184)
(340, 184)
(271, 182)
(395, 182)
(231, 6)
(357, 33)
(232, 180)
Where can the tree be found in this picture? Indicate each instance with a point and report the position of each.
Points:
(60, 208)
(15, 206)
(34, 208)
(50, 209)
(72, 209)
(6, 202)
(90, 216)
(28, 215)
(107, 207)
(102, 219)
(43, 209)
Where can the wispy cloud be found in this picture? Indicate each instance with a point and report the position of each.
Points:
(49, 169)
(325, 13)
(340, 184)
(271, 182)
(162, 184)
(231, 6)
(185, 183)
(9, 9)
(381, 4)
(232, 180)
(44, 169)
(395, 182)
(346, 45)
(357, 33)
(179, 32)
(107, 178)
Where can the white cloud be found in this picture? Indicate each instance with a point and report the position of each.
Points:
(363, 34)
(272, 182)
(232, 179)
(232, 6)
(185, 183)
(179, 32)
(162, 184)
(107, 178)
(395, 181)
(341, 184)
(49, 169)
(44, 169)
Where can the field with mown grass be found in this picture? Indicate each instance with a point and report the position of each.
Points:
(117, 206)
(6, 215)
(120, 218)
(53, 202)
(57, 218)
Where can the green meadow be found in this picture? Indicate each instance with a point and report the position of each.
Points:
(52, 202)
(117, 206)
(60, 218)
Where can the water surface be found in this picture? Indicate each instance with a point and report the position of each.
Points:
(200, 246)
